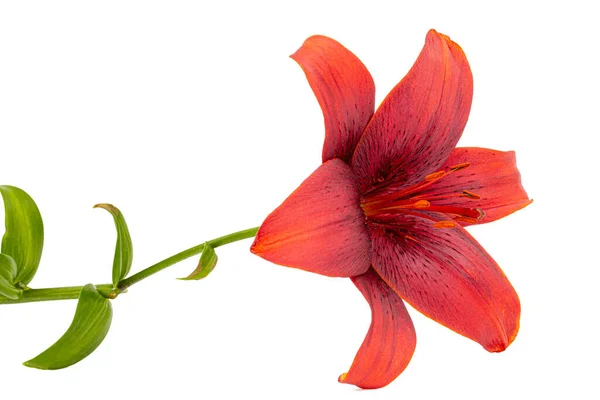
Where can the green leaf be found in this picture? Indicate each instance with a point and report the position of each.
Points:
(88, 329)
(207, 263)
(124, 248)
(24, 236)
(8, 271)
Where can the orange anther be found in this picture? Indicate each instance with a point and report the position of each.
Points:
(460, 166)
(468, 220)
(481, 213)
(435, 176)
(471, 195)
(444, 224)
(421, 204)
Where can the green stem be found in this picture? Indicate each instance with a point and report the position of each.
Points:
(232, 237)
(72, 292)
(49, 294)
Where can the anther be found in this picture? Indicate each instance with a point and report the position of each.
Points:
(421, 204)
(444, 224)
(460, 166)
(468, 220)
(435, 176)
(471, 195)
(481, 213)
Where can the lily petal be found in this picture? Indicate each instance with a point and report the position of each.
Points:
(320, 227)
(420, 121)
(391, 340)
(492, 183)
(345, 91)
(445, 274)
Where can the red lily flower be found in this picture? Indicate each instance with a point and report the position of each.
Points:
(388, 205)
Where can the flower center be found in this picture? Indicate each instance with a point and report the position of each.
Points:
(412, 200)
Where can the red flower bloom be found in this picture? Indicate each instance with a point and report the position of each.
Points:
(388, 205)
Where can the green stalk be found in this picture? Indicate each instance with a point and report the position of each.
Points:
(223, 240)
(72, 292)
(49, 294)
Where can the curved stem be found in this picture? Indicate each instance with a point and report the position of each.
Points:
(72, 292)
(232, 237)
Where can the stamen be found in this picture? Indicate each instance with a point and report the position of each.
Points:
(467, 220)
(445, 224)
(389, 217)
(438, 197)
(416, 200)
(460, 166)
(372, 208)
(471, 195)
(481, 213)
(435, 176)
(421, 204)
(460, 211)
(470, 220)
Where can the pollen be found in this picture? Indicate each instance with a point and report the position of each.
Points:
(445, 224)
(481, 213)
(471, 195)
(467, 220)
(460, 166)
(421, 204)
(435, 176)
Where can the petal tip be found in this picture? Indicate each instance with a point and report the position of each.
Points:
(342, 378)
(498, 347)
(432, 32)
(310, 41)
(295, 55)
(433, 35)
(507, 339)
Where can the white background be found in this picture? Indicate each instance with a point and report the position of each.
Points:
(191, 118)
